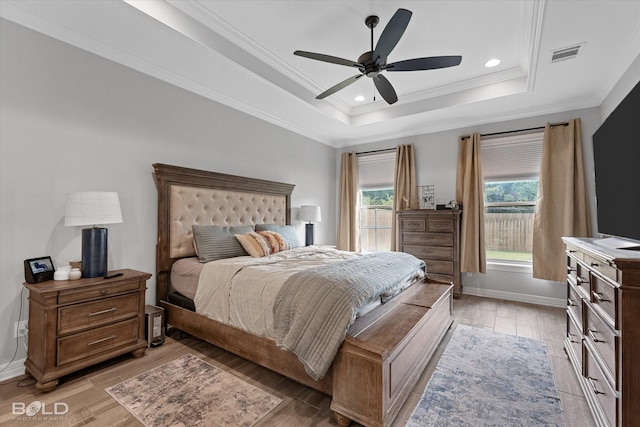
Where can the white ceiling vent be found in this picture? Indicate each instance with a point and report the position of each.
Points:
(566, 53)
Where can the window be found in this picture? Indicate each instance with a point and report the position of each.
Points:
(511, 167)
(376, 196)
(375, 219)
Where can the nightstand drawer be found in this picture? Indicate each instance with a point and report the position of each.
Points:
(89, 315)
(430, 252)
(90, 343)
(86, 294)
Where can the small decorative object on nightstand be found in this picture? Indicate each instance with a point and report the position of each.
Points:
(74, 324)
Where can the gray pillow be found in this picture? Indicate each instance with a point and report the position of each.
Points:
(288, 233)
(214, 242)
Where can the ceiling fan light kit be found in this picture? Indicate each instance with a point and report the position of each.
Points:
(373, 62)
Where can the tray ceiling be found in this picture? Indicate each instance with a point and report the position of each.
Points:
(240, 53)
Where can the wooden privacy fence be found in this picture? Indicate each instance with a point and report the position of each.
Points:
(511, 232)
(375, 231)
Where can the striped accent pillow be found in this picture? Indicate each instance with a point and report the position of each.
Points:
(214, 242)
(276, 241)
(255, 244)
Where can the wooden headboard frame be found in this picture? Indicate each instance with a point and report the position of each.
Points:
(167, 176)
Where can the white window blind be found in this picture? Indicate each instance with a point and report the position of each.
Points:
(376, 170)
(513, 157)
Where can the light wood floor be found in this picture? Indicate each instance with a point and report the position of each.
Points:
(90, 405)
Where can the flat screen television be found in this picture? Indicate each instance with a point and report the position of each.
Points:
(616, 152)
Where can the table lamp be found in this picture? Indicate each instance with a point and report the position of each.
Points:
(93, 208)
(311, 214)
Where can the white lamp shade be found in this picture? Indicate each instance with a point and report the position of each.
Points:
(309, 213)
(92, 208)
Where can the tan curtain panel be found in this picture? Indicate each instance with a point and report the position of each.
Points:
(349, 204)
(470, 192)
(404, 185)
(562, 207)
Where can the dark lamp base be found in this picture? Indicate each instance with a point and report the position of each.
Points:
(94, 252)
(309, 234)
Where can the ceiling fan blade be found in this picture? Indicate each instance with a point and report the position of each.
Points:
(341, 85)
(327, 58)
(385, 89)
(428, 63)
(391, 35)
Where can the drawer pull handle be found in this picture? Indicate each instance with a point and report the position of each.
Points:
(571, 339)
(598, 296)
(592, 334)
(572, 251)
(594, 264)
(571, 269)
(593, 385)
(571, 303)
(97, 313)
(581, 281)
(102, 340)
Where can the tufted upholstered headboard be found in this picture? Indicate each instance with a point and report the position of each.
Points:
(190, 196)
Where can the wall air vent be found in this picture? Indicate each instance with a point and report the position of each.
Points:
(566, 53)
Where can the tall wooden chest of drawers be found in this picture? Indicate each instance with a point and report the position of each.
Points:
(434, 237)
(603, 328)
(74, 324)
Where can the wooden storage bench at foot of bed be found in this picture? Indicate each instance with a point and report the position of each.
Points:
(385, 353)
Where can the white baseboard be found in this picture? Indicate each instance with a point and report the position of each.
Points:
(12, 370)
(512, 296)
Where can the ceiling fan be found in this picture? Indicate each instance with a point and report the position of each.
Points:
(372, 63)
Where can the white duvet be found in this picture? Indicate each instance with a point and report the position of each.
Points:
(241, 291)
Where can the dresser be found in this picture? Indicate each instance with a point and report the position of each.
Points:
(74, 324)
(434, 237)
(603, 328)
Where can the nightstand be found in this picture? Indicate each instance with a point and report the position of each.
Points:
(74, 324)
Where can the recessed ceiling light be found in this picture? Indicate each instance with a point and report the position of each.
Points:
(492, 63)
(359, 98)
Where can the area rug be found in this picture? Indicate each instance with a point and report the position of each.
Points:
(190, 392)
(485, 378)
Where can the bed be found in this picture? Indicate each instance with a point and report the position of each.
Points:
(385, 349)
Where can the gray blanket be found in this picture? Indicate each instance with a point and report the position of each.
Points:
(314, 308)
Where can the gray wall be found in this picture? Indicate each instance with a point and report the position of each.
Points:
(72, 121)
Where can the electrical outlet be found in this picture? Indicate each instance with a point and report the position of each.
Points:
(21, 329)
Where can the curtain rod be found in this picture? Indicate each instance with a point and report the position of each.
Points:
(384, 150)
(520, 130)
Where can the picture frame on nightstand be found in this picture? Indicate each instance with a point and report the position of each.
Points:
(38, 270)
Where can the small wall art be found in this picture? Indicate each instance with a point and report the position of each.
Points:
(427, 196)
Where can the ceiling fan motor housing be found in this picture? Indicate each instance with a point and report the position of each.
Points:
(370, 68)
